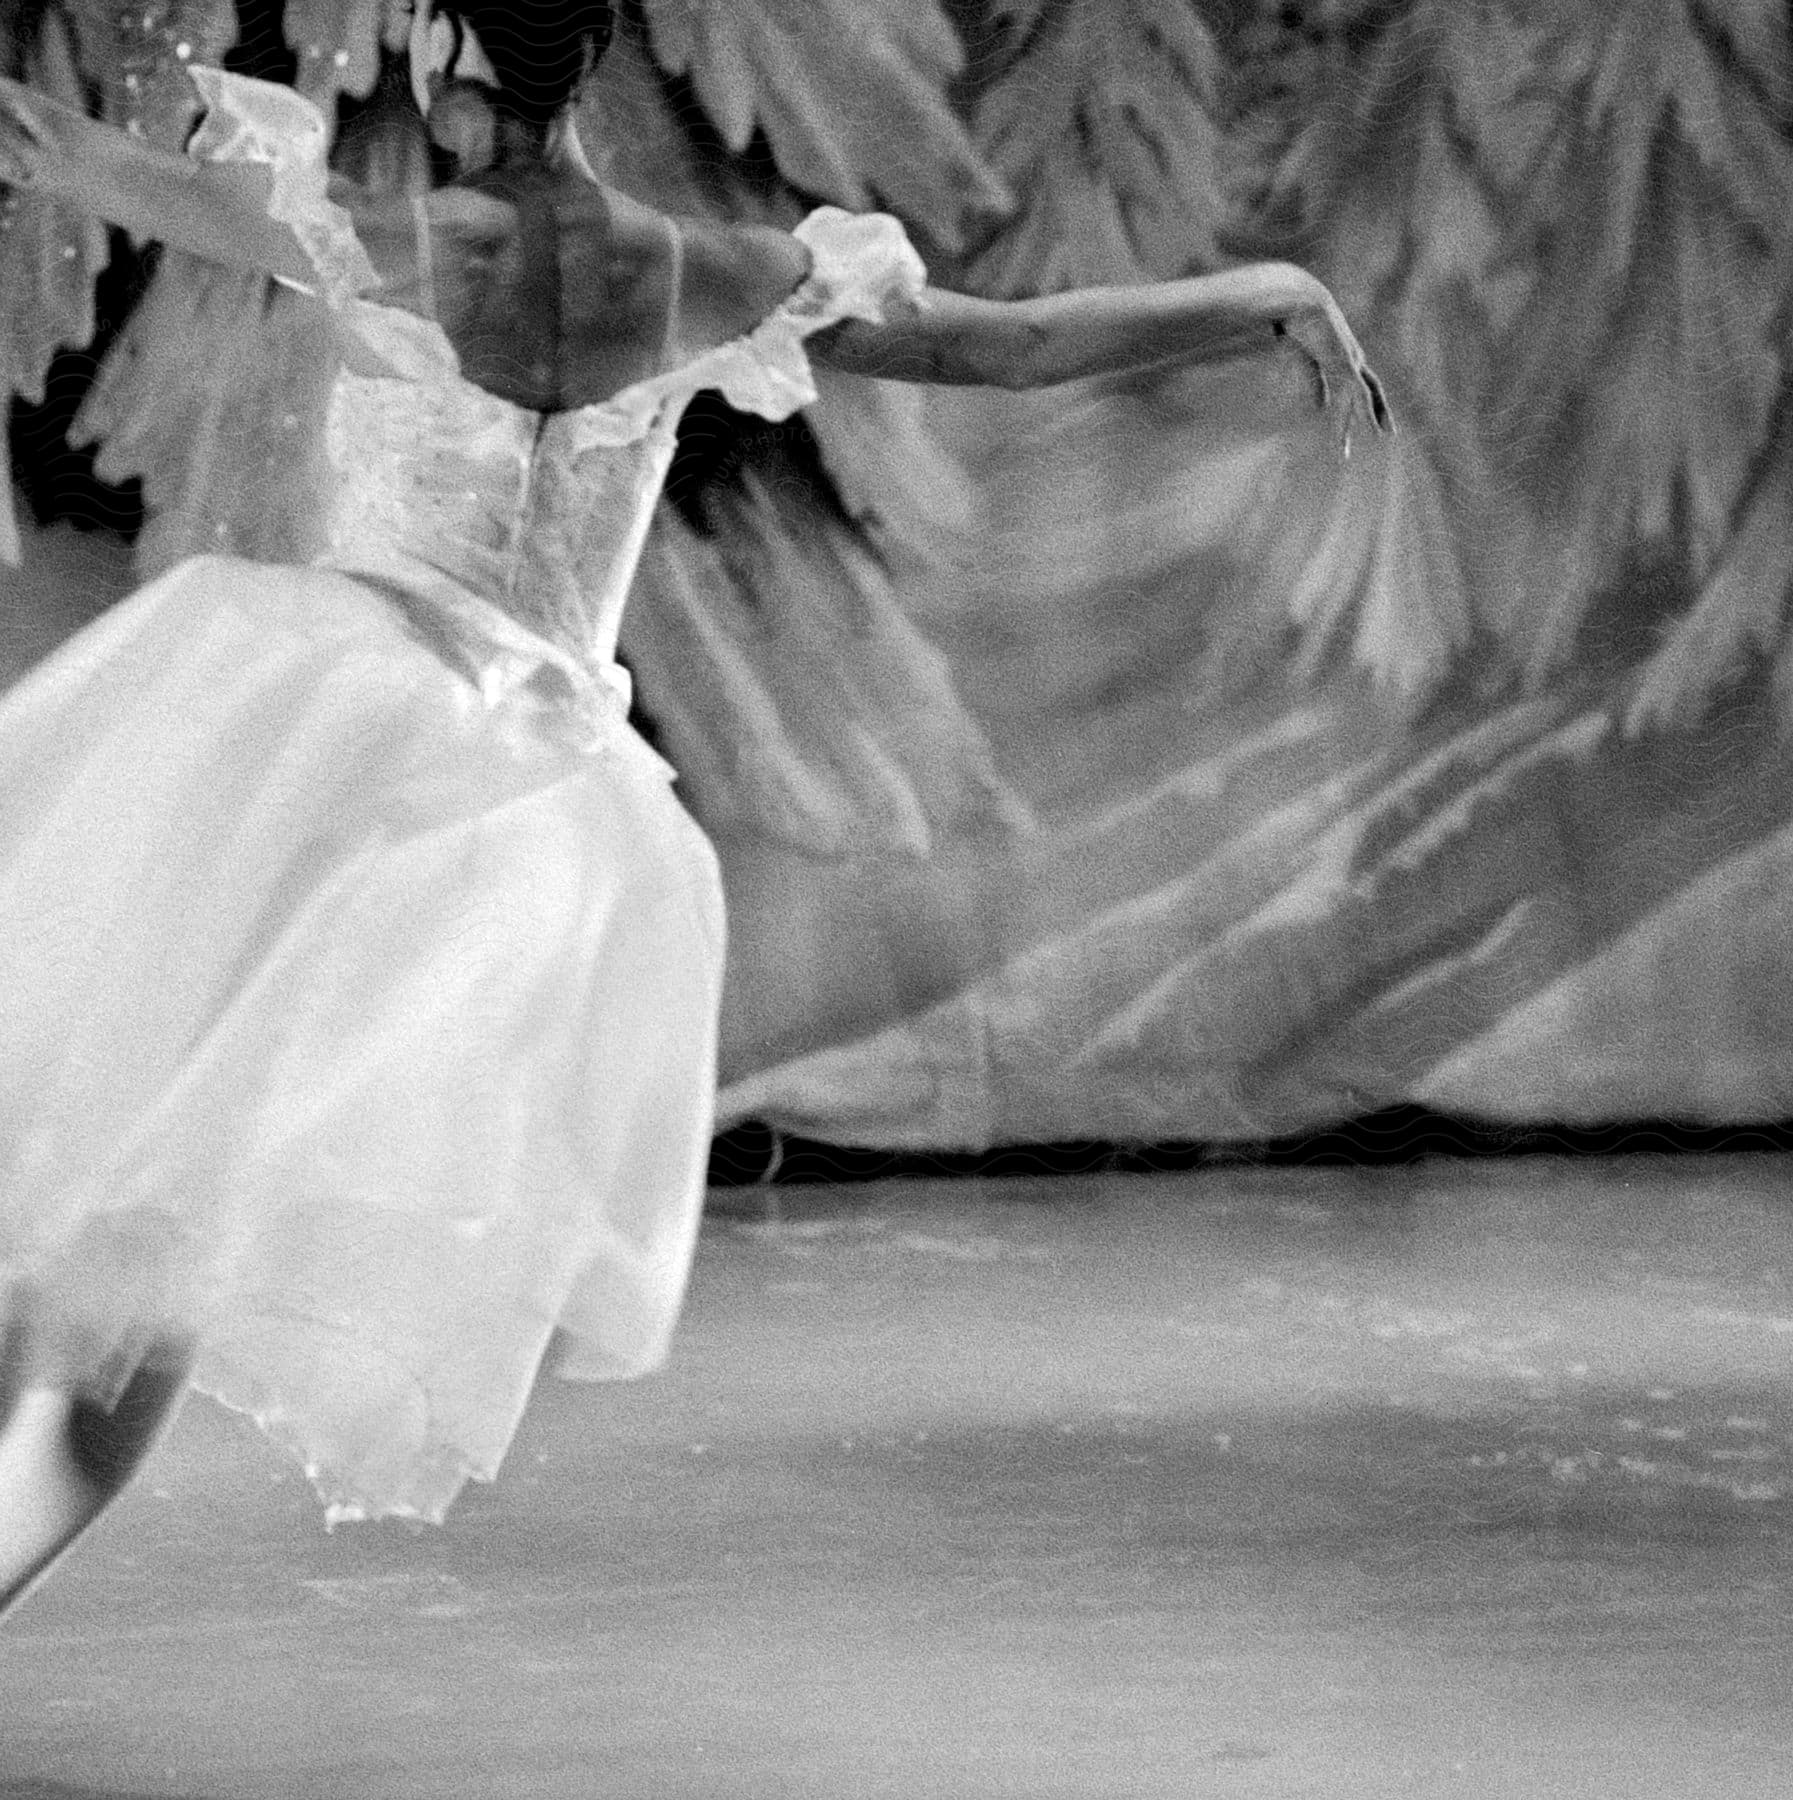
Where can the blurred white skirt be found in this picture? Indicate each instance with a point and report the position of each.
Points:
(361, 1029)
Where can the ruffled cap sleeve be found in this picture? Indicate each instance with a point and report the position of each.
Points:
(862, 266)
(261, 122)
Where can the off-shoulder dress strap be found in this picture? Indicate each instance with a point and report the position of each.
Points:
(862, 266)
(261, 122)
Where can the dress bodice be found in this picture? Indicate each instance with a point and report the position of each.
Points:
(511, 537)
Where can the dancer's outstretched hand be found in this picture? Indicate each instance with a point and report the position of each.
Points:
(1347, 386)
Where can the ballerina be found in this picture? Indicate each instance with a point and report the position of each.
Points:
(362, 968)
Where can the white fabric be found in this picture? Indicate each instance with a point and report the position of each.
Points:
(361, 969)
(522, 534)
(386, 1021)
(257, 122)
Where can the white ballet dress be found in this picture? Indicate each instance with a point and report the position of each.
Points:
(361, 969)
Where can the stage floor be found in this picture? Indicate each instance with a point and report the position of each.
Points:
(1459, 1480)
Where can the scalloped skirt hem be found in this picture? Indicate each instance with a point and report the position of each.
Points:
(354, 1025)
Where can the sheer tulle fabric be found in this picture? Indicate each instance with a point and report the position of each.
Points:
(362, 970)
(359, 1026)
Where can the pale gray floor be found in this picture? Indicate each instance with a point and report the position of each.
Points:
(1471, 1480)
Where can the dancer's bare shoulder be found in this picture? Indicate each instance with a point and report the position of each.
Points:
(730, 278)
(645, 291)
(735, 275)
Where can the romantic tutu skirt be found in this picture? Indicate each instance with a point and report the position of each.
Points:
(354, 1026)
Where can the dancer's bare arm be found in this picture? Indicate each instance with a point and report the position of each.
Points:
(957, 339)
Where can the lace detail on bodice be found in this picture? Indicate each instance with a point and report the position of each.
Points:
(511, 537)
